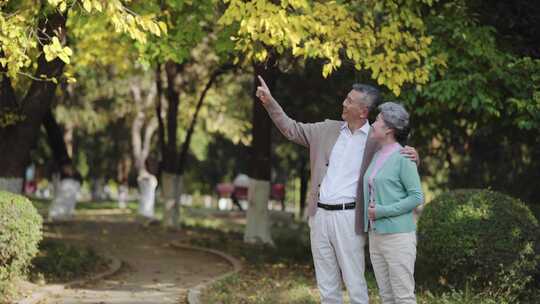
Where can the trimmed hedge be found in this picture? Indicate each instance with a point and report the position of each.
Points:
(20, 233)
(477, 239)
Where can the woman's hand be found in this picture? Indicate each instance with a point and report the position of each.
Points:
(371, 211)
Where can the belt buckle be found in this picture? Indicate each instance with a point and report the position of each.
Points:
(342, 206)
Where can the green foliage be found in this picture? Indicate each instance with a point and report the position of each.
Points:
(477, 238)
(460, 297)
(188, 23)
(224, 159)
(482, 79)
(60, 262)
(476, 122)
(20, 227)
(8, 118)
(13, 37)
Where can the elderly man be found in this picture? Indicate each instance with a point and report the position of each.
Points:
(339, 154)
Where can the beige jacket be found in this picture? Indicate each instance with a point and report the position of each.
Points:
(320, 138)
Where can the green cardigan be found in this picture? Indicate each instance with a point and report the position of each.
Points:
(397, 192)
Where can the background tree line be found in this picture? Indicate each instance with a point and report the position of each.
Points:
(468, 71)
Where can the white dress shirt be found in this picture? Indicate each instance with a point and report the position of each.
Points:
(340, 184)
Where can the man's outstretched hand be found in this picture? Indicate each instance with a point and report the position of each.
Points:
(263, 92)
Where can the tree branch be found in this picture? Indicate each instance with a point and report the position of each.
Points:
(185, 146)
(159, 96)
(8, 99)
(148, 133)
(136, 127)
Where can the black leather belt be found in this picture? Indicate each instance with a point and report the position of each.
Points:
(337, 206)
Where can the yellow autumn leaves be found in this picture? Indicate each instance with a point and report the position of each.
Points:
(382, 36)
(377, 35)
(55, 49)
(17, 32)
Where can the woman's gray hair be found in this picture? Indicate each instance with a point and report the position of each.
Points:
(396, 117)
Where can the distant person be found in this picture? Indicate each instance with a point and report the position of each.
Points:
(339, 154)
(240, 192)
(30, 185)
(394, 191)
(235, 201)
(224, 191)
(278, 193)
(123, 192)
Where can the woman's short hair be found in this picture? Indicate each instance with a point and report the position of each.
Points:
(396, 118)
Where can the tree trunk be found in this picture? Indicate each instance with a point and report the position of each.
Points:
(169, 162)
(123, 168)
(65, 196)
(17, 140)
(172, 176)
(55, 138)
(173, 166)
(142, 131)
(258, 216)
(171, 190)
(187, 141)
(65, 199)
(147, 190)
(68, 139)
(258, 221)
(170, 156)
(159, 109)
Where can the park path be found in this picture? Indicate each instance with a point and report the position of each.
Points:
(152, 272)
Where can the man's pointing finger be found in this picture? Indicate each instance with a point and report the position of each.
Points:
(262, 82)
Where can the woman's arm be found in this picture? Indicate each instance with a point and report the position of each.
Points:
(410, 180)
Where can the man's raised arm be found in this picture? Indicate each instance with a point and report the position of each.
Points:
(297, 132)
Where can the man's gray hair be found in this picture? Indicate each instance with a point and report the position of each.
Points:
(395, 117)
(373, 95)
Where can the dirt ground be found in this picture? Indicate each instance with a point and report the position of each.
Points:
(152, 271)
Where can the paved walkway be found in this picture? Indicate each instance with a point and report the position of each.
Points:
(153, 271)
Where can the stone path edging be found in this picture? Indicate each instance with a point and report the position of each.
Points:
(194, 293)
(42, 292)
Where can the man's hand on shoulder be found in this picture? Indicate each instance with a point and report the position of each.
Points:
(263, 92)
(411, 154)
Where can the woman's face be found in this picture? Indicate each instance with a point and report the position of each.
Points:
(380, 130)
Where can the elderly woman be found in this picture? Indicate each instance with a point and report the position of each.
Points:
(393, 187)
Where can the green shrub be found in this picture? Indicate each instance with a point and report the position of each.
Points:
(459, 297)
(61, 262)
(20, 233)
(477, 238)
(535, 208)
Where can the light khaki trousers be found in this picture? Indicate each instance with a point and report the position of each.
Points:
(393, 256)
(338, 254)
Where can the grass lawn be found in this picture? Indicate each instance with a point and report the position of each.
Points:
(59, 262)
(284, 273)
(280, 274)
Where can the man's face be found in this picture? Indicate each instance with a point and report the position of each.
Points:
(353, 107)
